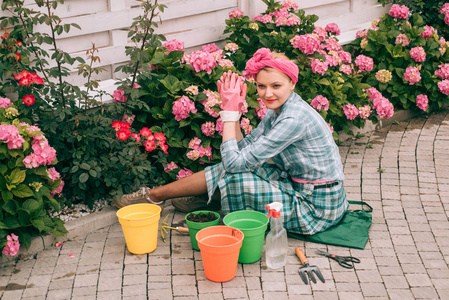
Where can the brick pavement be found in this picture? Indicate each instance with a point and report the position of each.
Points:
(400, 170)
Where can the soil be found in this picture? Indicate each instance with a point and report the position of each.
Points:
(202, 217)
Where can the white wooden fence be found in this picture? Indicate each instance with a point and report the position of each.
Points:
(195, 22)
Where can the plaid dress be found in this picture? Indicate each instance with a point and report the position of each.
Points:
(300, 145)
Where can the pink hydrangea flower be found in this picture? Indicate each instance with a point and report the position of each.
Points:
(232, 47)
(350, 111)
(364, 111)
(170, 166)
(182, 107)
(331, 128)
(119, 96)
(418, 54)
(209, 104)
(373, 94)
(332, 60)
(446, 19)
(307, 43)
(5, 102)
(43, 154)
(53, 174)
(320, 33)
(428, 32)
(289, 4)
(219, 126)
(412, 75)
(399, 12)
(208, 128)
(205, 152)
(193, 90)
(383, 107)
(347, 69)
(193, 154)
(246, 126)
(443, 71)
(422, 102)
(194, 143)
(210, 48)
(12, 245)
(236, 13)
(444, 9)
(173, 45)
(332, 45)
(402, 39)
(225, 63)
(58, 190)
(332, 28)
(444, 86)
(261, 111)
(345, 56)
(264, 18)
(383, 76)
(9, 134)
(320, 102)
(183, 173)
(364, 63)
(202, 61)
(318, 66)
(362, 34)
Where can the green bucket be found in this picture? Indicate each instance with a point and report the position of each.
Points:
(194, 227)
(253, 224)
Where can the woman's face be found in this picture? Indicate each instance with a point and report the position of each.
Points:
(274, 87)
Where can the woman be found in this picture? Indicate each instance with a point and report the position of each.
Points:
(290, 157)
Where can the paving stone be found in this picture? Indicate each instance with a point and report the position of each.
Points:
(134, 290)
(59, 294)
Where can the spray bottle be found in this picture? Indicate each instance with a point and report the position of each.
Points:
(276, 244)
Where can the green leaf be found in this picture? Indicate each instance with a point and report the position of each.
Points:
(7, 195)
(24, 218)
(30, 205)
(84, 177)
(22, 191)
(39, 224)
(85, 166)
(17, 176)
(3, 169)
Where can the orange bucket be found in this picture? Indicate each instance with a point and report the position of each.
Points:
(220, 248)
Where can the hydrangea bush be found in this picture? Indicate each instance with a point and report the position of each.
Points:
(410, 60)
(330, 78)
(29, 182)
(434, 12)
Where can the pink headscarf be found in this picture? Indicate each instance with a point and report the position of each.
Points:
(262, 58)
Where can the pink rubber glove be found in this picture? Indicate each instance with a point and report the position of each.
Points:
(232, 92)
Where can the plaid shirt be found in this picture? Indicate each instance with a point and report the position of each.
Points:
(297, 139)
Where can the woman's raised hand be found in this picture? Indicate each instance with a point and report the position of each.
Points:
(232, 91)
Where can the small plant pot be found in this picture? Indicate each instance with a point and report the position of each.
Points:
(194, 227)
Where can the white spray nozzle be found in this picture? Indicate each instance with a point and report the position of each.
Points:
(274, 209)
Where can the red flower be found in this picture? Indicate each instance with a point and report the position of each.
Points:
(19, 43)
(116, 125)
(17, 56)
(150, 145)
(136, 136)
(119, 125)
(5, 35)
(146, 132)
(123, 134)
(28, 100)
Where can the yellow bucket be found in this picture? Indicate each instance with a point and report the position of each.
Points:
(140, 223)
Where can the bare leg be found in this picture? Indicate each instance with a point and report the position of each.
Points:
(192, 185)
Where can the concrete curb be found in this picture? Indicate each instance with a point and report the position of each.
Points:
(107, 217)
